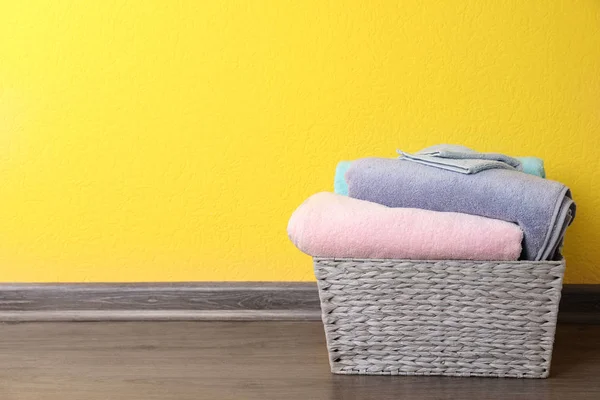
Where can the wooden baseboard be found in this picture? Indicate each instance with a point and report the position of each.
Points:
(159, 301)
(206, 301)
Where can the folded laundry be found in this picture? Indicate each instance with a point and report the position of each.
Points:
(331, 225)
(542, 208)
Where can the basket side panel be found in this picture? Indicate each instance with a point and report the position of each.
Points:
(395, 317)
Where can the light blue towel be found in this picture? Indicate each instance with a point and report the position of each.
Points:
(461, 159)
(531, 165)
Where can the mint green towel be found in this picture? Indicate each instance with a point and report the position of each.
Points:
(531, 166)
(339, 184)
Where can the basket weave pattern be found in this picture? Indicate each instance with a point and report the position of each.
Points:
(457, 318)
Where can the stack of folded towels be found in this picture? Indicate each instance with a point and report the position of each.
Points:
(444, 202)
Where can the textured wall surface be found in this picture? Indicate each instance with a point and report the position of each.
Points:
(170, 140)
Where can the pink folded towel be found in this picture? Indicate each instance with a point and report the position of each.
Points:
(331, 225)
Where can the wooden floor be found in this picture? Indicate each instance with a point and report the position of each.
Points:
(245, 360)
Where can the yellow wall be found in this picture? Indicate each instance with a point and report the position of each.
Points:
(170, 140)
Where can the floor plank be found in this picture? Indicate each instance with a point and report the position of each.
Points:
(244, 360)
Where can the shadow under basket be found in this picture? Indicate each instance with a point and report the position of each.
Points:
(455, 318)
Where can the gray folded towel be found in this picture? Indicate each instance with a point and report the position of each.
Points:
(542, 208)
(461, 159)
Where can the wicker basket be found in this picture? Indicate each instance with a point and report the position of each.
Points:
(457, 318)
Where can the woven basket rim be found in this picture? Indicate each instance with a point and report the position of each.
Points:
(397, 260)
